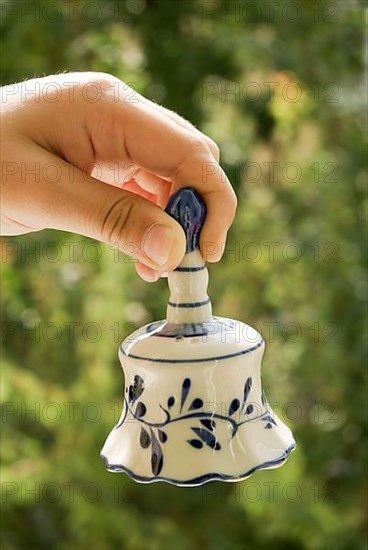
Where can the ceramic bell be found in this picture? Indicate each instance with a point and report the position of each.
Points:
(194, 409)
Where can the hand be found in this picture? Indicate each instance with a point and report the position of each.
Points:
(66, 137)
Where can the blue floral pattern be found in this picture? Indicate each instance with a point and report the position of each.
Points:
(153, 434)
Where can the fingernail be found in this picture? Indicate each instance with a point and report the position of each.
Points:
(150, 276)
(157, 243)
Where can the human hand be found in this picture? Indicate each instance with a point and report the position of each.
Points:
(61, 148)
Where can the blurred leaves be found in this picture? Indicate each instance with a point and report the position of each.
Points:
(293, 267)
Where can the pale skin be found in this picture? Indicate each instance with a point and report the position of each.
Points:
(83, 152)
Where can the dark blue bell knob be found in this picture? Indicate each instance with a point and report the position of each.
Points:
(187, 207)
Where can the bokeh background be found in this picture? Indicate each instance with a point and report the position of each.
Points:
(67, 302)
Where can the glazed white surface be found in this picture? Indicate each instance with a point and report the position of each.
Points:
(194, 409)
(217, 383)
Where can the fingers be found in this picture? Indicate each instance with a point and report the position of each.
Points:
(188, 125)
(81, 204)
(146, 273)
(127, 127)
(155, 185)
(133, 187)
(164, 148)
(159, 149)
(220, 200)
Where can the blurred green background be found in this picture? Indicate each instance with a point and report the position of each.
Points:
(67, 302)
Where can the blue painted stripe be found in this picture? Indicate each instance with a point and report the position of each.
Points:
(200, 479)
(189, 304)
(190, 269)
(205, 359)
(178, 335)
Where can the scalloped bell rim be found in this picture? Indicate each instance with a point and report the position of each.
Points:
(205, 478)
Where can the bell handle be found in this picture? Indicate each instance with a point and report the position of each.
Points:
(189, 301)
(188, 208)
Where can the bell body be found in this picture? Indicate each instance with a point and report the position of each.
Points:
(194, 409)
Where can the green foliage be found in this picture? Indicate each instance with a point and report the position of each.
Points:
(307, 298)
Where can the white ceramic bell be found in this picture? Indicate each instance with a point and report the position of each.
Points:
(194, 409)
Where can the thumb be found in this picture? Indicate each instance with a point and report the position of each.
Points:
(90, 207)
(138, 227)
